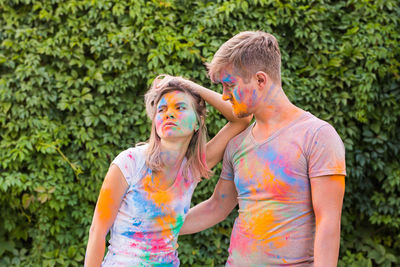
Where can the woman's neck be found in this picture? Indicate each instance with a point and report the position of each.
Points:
(172, 153)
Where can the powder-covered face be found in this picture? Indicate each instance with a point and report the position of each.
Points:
(243, 96)
(175, 115)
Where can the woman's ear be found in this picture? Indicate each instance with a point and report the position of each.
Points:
(203, 121)
(197, 126)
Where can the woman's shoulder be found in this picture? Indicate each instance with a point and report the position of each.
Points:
(135, 154)
(138, 149)
(135, 151)
(131, 161)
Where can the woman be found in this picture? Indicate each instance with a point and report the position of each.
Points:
(147, 190)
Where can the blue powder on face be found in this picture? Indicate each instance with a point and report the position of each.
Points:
(228, 79)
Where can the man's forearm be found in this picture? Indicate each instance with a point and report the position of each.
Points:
(201, 217)
(327, 243)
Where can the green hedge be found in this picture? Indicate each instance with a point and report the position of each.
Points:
(73, 75)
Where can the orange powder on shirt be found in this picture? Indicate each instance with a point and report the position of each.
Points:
(258, 222)
(159, 198)
(167, 223)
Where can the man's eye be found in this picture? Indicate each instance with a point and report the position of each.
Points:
(181, 108)
(229, 86)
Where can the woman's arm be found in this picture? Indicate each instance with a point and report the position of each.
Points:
(217, 145)
(214, 99)
(108, 203)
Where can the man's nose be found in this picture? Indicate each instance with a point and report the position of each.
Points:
(226, 95)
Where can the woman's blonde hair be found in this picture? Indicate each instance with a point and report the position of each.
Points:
(196, 165)
(248, 52)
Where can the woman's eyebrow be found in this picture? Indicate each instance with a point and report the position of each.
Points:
(161, 105)
(176, 104)
(180, 103)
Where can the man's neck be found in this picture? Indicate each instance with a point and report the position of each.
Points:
(274, 113)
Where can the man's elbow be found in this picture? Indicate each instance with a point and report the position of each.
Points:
(221, 208)
(330, 228)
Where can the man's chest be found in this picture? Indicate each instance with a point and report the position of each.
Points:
(271, 171)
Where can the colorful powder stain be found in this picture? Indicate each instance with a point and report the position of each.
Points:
(105, 204)
(276, 222)
(147, 225)
(175, 107)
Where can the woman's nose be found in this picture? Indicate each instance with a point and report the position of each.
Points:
(170, 114)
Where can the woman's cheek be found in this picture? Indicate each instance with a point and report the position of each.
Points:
(159, 121)
(188, 120)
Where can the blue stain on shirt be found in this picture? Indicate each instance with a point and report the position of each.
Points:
(270, 156)
(129, 234)
(136, 222)
(145, 205)
(243, 184)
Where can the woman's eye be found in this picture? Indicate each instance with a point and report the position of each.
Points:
(181, 108)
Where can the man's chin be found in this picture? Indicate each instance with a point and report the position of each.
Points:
(242, 115)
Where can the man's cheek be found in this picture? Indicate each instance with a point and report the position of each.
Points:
(238, 95)
(253, 96)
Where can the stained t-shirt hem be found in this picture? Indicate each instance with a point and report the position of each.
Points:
(326, 172)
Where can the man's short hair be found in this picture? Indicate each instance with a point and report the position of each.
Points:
(248, 52)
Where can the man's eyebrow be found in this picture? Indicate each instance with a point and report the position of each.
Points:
(228, 79)
(228, 82)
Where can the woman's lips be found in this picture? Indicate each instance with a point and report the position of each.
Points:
(169, 124)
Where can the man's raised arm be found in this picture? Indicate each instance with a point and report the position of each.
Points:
(213, 210)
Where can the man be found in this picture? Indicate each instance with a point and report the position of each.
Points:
(286, 170)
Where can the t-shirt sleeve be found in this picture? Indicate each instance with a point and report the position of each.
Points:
(326, 154)
(227, 167)
(127, 163)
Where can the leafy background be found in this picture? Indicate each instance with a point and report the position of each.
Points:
(73, 76)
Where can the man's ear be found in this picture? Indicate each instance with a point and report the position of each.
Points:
(262, 79)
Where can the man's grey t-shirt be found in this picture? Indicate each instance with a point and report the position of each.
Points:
(276, 222)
